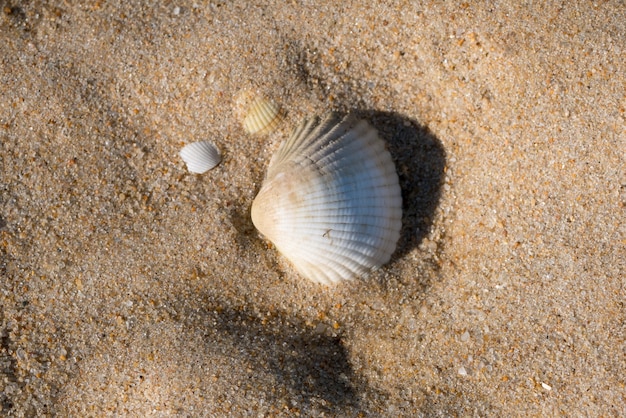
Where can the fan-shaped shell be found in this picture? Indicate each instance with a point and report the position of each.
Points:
(331, 200)
(200, 156)
(263, 115)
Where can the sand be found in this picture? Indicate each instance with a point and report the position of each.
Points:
(130, 287)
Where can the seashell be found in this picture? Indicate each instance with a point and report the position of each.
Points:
(200, 156)
(262, 116)
(331, 201)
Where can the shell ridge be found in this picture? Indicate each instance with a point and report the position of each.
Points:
(320, 276)
(329, 154)
(331, 201)
(311, 132)
(322, 239)
(345, 268)
(314, 273)
(309, 141)
(292, 144)
(321, 236)
(263, 115)
(200, 156)
(337, 259)
(315, 206)
(336, 263)
(333, 237)
(367, 212)
(333, 139)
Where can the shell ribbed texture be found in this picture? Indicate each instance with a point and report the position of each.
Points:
(200, 156)
(262, 116)
(331, 201)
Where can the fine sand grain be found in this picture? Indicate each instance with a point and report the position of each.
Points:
(130, 287)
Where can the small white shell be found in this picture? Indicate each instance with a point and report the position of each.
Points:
(331, 201)
(200, 156)
(262, 116)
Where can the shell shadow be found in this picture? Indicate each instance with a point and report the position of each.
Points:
(306, 366)
(420, 161)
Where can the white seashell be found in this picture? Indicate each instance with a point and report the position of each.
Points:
(331, 201)
(200, 156)
(262, 116)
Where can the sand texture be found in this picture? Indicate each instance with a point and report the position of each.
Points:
(130, 287)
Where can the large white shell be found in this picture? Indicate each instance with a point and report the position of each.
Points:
(200, 156)
(331, 200)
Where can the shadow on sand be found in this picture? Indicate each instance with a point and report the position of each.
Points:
(420, 160)
(308, 366)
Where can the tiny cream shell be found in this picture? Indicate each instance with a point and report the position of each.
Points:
(262, 116)
(331, 201)
(200, 156)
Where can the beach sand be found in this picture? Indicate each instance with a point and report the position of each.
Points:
(130, 287)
